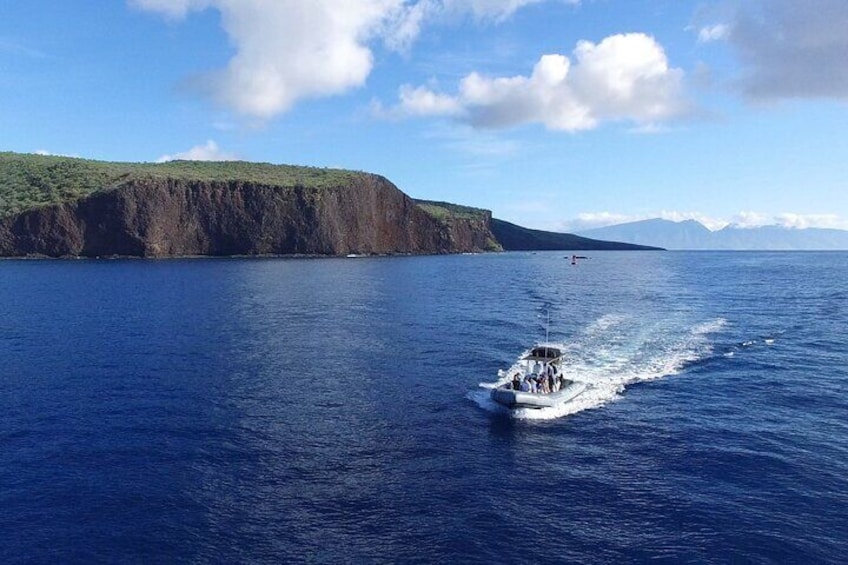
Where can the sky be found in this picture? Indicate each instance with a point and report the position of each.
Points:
(554, 114)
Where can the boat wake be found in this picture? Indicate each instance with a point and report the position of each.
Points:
(614, 352)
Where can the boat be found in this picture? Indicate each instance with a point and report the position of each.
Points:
(536, 381)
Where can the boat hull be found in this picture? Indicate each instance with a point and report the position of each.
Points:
(514, 399)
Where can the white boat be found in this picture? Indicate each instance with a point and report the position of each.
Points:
(536, 381)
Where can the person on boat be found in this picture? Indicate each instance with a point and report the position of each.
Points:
(525, 385)
(516, 381)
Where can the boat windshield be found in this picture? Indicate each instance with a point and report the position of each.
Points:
(544, 353)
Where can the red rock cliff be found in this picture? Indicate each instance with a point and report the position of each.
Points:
(160, 218)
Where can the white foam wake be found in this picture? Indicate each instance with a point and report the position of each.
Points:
(614, 352)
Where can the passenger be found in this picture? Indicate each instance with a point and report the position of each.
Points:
(525, 385)
(516, 381)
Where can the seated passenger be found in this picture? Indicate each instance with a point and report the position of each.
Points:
(525, 385)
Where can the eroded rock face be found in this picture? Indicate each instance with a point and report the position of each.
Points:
(161, 218)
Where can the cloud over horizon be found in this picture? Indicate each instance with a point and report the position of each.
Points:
(623, 77)
(209, 151)
(745, 219)
(291, 50)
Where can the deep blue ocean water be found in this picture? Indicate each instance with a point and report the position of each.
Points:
(329, 411)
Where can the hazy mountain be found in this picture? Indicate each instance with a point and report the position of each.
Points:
(691, 234)
(517, 238)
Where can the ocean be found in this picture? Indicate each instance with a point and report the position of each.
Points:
(330, 410)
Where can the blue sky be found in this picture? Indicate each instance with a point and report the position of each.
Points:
(554, 114)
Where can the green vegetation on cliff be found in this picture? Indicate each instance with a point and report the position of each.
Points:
(30, 181)
(445, 210)
(449, 214)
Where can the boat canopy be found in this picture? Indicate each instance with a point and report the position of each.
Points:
(543, 353)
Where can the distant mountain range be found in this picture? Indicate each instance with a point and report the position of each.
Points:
(691, 234)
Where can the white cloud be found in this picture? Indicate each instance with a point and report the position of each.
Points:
(747, 219)
(406, 23)
(803, 221)
(709, 222)
(788, 220)
(744, 220)
(624, 77)
(714, 32)
(424, 102)
(792, 49)
(590, 220)
(47, 153)
(209, 151)
(290, 50)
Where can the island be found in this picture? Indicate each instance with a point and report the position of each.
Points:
(54, 206)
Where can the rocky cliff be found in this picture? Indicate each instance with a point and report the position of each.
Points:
(65, 207)
(161, 217)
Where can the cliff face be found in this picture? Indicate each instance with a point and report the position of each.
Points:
(171, 217)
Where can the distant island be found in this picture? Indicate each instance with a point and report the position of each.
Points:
(66, 207)
(690, 234)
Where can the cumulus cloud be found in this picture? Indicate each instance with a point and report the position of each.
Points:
(792, 49)
(744, 220)
(790, 220)
(624, 77)
(710, 222)
(289, 50)
(748, 219)
(803, 221)
(423, 102)
(591, 220)
(209, 151)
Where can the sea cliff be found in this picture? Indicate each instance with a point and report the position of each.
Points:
(66, 207)
(162, 212)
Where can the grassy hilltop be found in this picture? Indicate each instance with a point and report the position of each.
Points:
(445, 210)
